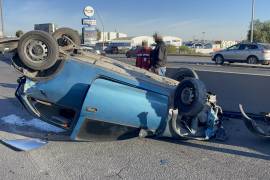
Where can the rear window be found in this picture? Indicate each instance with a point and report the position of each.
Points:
(266, 46)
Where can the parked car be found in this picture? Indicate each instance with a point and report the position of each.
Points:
(132, 52)
(251, 53)
(112, 50)
(94, 97)
(88, 48)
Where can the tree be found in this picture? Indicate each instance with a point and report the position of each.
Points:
(19, 33)
(261, 32)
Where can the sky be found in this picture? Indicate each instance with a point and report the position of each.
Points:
(188, 19)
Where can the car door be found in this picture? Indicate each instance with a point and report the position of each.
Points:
(242, 53)
(253, 50)
(231, 53)
(113, 108)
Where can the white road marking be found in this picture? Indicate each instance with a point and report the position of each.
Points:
(230, 72)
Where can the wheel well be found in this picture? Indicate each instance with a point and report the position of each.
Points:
(252, 56)
(218, 55)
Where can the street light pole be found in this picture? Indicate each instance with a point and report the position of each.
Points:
(252, 22)
(203, 33)
(2, 18)
(101, 21)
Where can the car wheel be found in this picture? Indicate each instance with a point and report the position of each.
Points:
(190, 97)
(38, 50)
(219, 59)
(252, 60)
(67, 39)
(183, 73)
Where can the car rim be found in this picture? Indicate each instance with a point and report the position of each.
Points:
(252, 60)
(187, 95)
(219, 60)
(36, 50)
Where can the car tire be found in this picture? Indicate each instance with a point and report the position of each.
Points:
(252, 60)
(38, 50)
(219, 59)
(190, 97)
(183, 73)
(65, 44)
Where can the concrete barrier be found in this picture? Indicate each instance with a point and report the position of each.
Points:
(252, 91)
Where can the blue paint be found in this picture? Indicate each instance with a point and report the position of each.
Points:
(125, 105)
(127, 99)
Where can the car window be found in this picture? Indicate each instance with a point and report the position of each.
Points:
(252, 46)
(242, 47)
(235, 47)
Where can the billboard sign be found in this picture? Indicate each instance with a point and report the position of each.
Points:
(89, 11)
(89, 35)
(89, 22)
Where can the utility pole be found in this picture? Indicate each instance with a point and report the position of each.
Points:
(203, 38)
(2, 19)
(101, 21)
(252, 22)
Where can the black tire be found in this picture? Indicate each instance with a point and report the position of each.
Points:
(185, 105)
(65, 44)
(38, 50)
(219, 59)
(183, 73)
(252, 60)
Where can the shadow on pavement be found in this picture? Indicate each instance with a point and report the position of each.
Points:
(241, 142)
(8, 85)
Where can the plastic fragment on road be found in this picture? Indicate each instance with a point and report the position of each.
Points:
(24, 144)
(214, 128)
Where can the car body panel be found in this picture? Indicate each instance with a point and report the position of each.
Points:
(138, 108)
(100, 90)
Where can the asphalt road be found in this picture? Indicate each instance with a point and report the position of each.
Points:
(243, 156)
(205, 64)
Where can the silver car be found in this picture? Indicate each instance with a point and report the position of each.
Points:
(251, 53)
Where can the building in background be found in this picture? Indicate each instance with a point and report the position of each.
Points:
(109, 36)
(173, 41)
(130, 42)
(47, 27)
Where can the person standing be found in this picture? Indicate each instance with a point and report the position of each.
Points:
(159, 56)
(143, 56)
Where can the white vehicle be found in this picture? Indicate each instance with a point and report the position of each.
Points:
(251, 53)
(90, 49)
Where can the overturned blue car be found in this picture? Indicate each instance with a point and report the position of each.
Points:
(94, 97)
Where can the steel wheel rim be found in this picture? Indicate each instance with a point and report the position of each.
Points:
(36, 50)
(187, 95)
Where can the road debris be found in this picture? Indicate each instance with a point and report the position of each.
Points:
(35, 123)
(26, 144)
